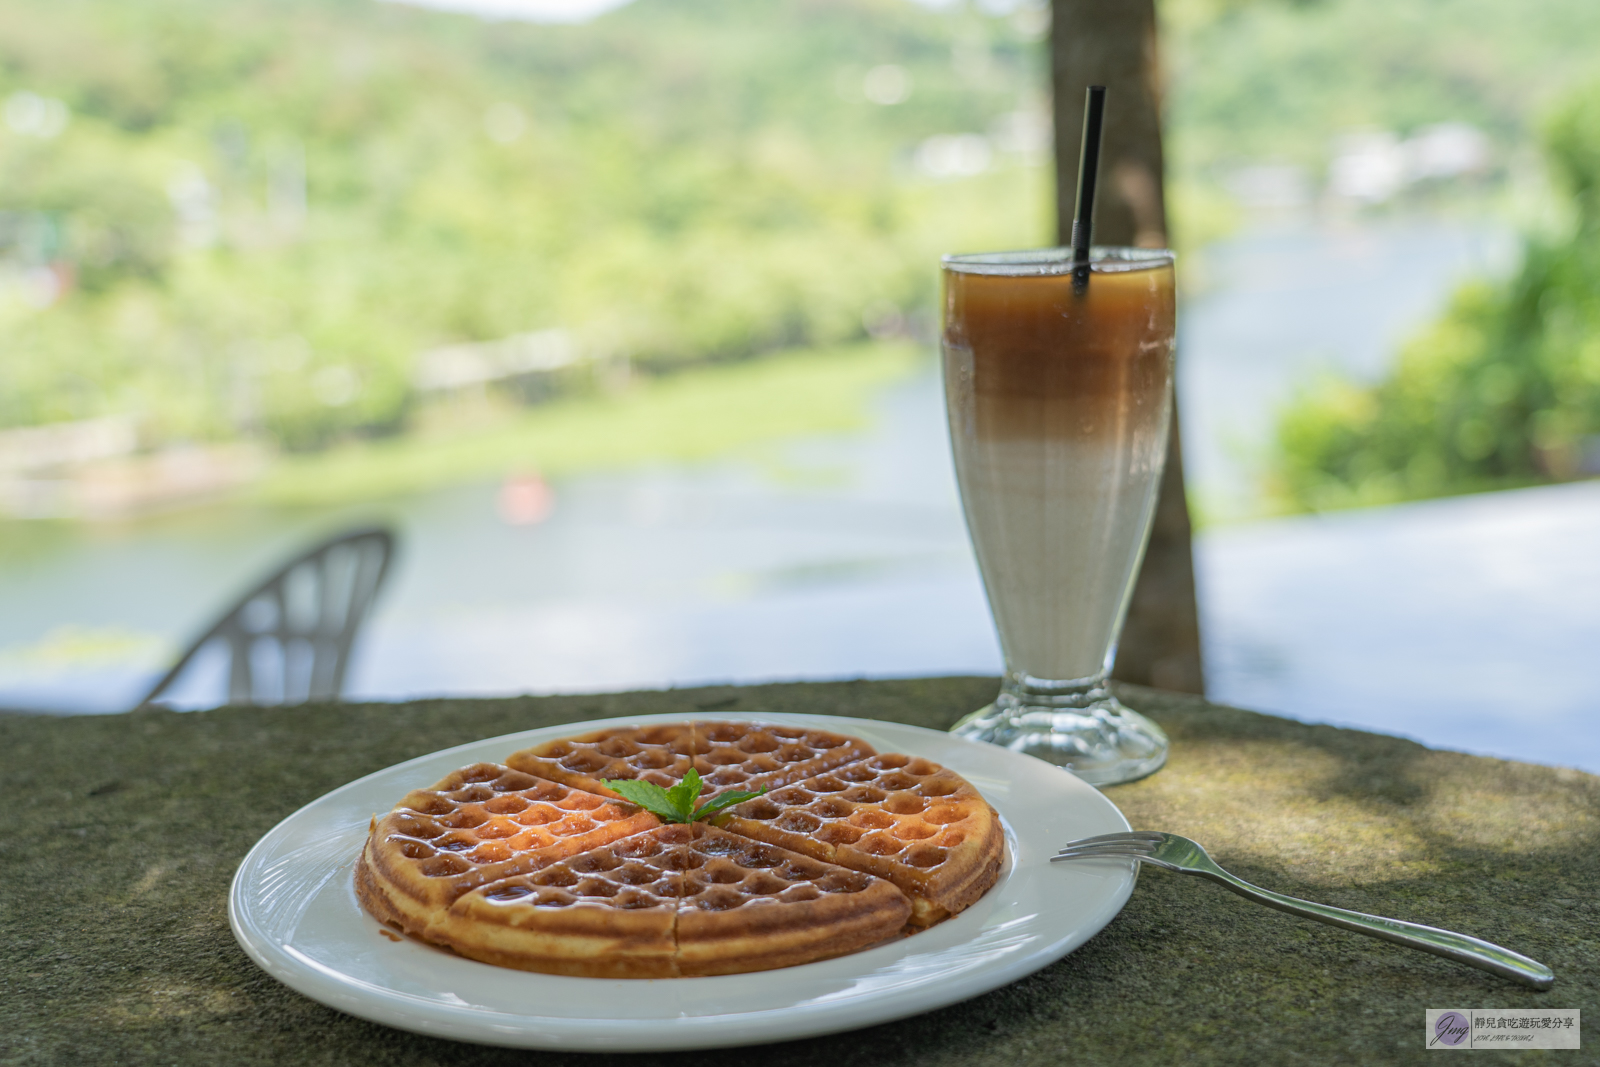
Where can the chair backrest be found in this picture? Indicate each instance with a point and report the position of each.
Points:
(288, 639)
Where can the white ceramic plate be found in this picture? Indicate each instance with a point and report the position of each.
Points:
(293, 908)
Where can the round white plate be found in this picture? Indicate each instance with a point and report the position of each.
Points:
(293, 908)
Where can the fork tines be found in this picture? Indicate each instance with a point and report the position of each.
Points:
(1133, 844)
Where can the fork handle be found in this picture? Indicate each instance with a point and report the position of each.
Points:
(1450, 945)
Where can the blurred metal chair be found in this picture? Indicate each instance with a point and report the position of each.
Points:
(288, 639)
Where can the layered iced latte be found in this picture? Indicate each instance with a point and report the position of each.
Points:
(1059, 392)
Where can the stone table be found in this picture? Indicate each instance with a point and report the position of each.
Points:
(123, 832)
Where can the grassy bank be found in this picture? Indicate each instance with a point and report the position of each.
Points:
(693, 415)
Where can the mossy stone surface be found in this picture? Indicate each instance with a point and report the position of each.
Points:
(122, 833)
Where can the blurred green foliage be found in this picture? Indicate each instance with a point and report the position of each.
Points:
(261, 211)
(1504, 390)
(1273, 80)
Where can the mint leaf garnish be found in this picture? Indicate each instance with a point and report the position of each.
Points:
(726, 799)
(647, 795)
(682, 796)
(677, 804)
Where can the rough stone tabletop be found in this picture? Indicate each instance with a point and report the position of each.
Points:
(122, 833)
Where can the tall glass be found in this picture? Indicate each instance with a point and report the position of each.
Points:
(1060, 399)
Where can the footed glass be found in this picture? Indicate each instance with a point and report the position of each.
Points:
(1059, 391)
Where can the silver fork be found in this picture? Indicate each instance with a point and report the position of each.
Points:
(1173, 853)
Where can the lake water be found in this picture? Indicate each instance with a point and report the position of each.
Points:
(1462, 623)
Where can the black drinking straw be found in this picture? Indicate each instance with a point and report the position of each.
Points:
(1094, 110)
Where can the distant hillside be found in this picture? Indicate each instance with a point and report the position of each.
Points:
(257, 213)
(249, 218)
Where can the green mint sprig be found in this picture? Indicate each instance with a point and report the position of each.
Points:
(678, 803)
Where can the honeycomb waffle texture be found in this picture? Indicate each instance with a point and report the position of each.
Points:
(747, 755)
(480, 824)
(537, 865)
(609, 912)
(908, 820)
(660, 755)
(751, 906)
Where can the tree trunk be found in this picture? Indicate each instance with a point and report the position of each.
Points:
(1113, 43)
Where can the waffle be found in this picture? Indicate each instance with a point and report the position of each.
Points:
(752, 755)
(750, 906)
(609, 912)
(538, 865)
(677, 900)
(657, 754)
(480, 824)
(908, 820)
(727, 755)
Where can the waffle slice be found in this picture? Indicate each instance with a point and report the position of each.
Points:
(673, 901)
(905, 819)
(609, 912)
(752, 755)
(659, 754)
(741, 755)
(750, 906)
(480, 824)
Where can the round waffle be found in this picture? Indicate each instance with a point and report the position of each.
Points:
(538, 865)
